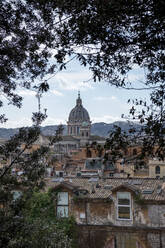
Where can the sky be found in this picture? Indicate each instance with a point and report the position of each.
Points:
(104, 102)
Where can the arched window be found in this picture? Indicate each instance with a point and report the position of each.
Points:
(157, 169)
(87, 134)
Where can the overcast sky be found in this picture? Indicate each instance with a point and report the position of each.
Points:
(103, 102)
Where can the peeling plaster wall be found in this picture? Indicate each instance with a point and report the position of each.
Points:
(99, 227)
(105, 213)
(156, 215)
(100, 213)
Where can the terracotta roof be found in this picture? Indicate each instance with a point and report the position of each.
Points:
(126, 186)
(150, 189)
(66, 185)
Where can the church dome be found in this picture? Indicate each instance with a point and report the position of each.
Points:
(79, 113)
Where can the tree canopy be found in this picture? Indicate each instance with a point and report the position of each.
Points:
(27, 215)
(110, 37)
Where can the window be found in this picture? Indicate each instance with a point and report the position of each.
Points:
(124, 205)
(157, 169)
(62, 204)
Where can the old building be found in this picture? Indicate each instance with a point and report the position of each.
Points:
(156, 168)
(114, 213)
(78, 131)
(79, 124)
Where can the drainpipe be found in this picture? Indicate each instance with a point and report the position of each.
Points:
(160, 237)
(86, 218)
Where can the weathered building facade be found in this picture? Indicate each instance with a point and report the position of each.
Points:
(114, 213)
(156, 168)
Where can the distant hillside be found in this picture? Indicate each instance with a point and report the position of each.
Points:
(6, 133)
(100, 129)
(103, 129)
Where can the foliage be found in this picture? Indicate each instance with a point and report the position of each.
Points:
(41, 207)
(116, 145)
(22, 224)
(110, 38)
(100, 150)
(139, 200)
(58, 135)
(78, 198)
(40, 234)
(88, 151)
(68, 225)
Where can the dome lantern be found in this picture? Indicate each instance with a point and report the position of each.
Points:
(78, 101)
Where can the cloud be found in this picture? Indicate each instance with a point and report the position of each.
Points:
(113, 98)
(24, 122)
(87, 49)
(106, 119)
(3, 98)
(27, 122)
(33, 93)
(56, 92)
(73, 81)
(137, 75)
(105, 98)
(52, 121)
(27, 93)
